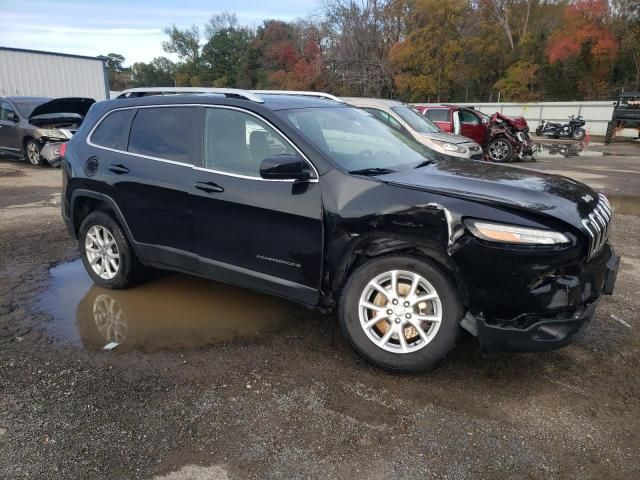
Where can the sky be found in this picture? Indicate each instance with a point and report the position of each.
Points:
(131, 28)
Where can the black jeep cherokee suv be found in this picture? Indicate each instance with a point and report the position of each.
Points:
(318, 202)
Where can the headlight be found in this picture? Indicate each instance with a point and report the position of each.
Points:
(496, 232)
(450, 147)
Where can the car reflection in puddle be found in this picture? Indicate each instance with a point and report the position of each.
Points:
(171, 311)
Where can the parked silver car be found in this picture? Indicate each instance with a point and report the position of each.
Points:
(403, 118)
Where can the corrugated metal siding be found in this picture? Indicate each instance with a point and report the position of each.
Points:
(596, 114)
(50, 75)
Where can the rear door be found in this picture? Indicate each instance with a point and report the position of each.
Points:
(472, 126)
(9, 138)
(266, 234)
(151, 172)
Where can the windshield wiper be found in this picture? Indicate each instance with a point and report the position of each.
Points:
(424, 164)
(372, 171)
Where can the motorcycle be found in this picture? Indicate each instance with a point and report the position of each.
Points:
(507, 139)
(573, 129)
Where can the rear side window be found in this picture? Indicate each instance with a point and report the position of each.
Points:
(438, 115)
(113, 130)
(164, 132)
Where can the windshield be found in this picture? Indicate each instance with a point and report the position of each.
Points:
(356, 140)
(419, 123)
(630, 101)
(25, 108)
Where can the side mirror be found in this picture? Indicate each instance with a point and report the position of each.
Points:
(283, 167)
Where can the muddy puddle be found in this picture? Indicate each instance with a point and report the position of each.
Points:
(567, 150)
(170, 311)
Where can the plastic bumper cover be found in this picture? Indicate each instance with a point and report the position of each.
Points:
(541, 332)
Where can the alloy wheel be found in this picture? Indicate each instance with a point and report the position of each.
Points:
(109, 318)
(400, 311)
(499, 150)
(102, 252)
(33, 154)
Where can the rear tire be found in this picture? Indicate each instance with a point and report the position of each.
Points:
(609, 135)
(500, 150)
(433, 305)
(32, 153)
(107, 254)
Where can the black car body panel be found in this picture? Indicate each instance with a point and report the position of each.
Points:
(301, 239)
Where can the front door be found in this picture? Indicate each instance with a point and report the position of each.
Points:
(9, 138)
(266, 234)
(472, 126)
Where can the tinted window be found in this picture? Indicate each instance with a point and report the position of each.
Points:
(5, 111)
(438, 115)
(164, 132)
(469, 117)
(113, 130)
(236, 142)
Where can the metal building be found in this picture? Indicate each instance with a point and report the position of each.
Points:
(48, 74)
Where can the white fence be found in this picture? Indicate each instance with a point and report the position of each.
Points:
(596, 114)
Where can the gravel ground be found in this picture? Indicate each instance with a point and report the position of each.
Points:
(295, 401)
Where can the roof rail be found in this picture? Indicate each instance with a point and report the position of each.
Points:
(229, 92)
(328, 96)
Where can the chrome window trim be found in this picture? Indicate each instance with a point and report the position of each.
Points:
(89, 142)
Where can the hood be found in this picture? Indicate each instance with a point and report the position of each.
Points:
(546, 194)
(60, 106)
(446, 137)
(519, 123)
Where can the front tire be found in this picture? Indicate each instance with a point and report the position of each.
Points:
(500, 150)
(32, 153)
(107, 254)
(400, 313)
(579, 134)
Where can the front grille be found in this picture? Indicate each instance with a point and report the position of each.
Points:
(597, 225)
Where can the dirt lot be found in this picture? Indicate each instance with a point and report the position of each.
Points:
(213, 382)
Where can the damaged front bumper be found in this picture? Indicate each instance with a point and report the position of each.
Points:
(546, 330)
(51, 153)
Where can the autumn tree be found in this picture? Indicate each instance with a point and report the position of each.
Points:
(429, 61)
(359, 35)
(586, 42)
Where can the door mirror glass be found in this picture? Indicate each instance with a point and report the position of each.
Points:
(283, 167)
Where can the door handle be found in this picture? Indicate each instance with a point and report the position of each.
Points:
(209, 187)
(118, 169)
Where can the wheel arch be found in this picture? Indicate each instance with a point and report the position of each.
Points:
(367, 249)
(83, 202)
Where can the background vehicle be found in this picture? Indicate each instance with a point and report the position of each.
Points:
(36, 127)
(508, 139)
(323, 204)
(403, 118)
(626, 114)
(464, 121)
(573, 129)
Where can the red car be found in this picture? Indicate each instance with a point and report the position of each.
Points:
(464, 121)
(503, 138)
